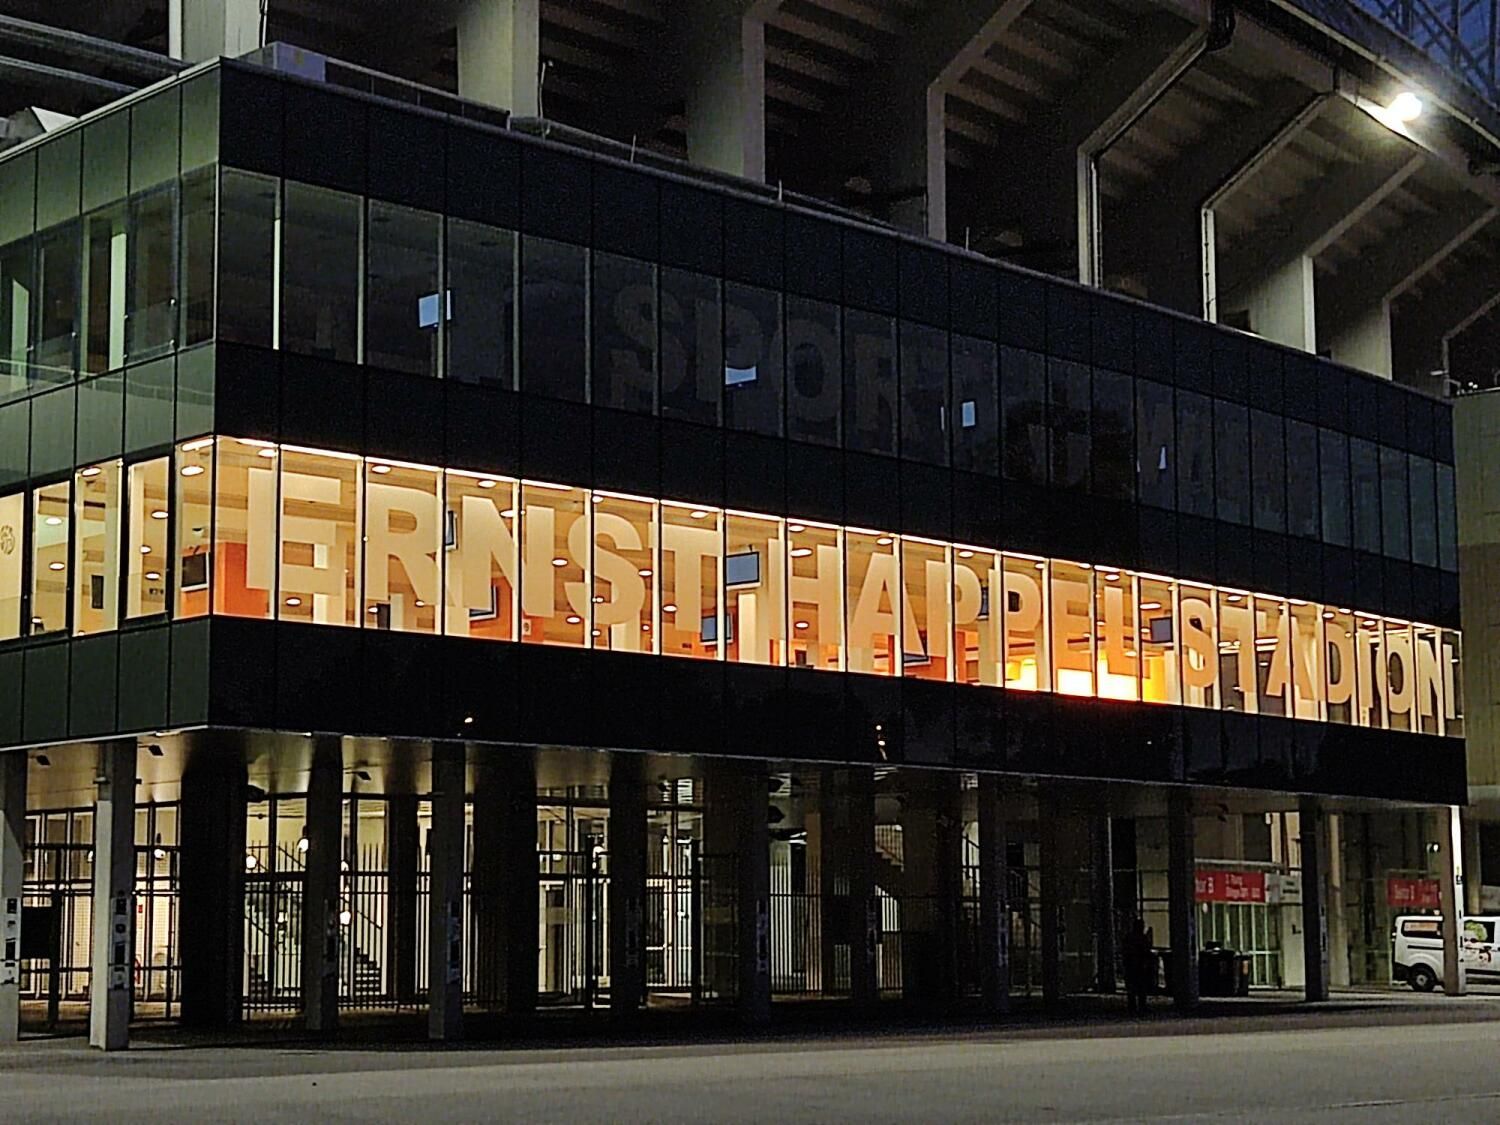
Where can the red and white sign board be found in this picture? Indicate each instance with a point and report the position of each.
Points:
(1230, 886)
(1413, 894)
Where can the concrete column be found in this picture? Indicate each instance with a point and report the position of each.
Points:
(12, 873)
(505, 868)
(1049, 856)
(198, 30)
(824, 833)
(1102, 896)
(499, 54)
(627, 885)
(994, 905)
(1338, 925)
(723, 51)
(445, 917)
(320, 887)
(403, 861)
(211, 868)
(1473, 870)
(735, 823)
(1365, 343)
(864, 904)
(1282, 305)
(1314, 899)
(1451, 888)
(1181, 899)
(113, 907)
(932, 841)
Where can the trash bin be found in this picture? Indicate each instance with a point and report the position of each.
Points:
(1219, 972)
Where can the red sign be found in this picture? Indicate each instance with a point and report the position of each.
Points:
(1413, 894)
(1230, 886)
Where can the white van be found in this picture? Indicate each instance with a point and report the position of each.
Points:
(1417, 950)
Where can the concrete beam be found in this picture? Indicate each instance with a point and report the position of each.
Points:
(198, 30)
(500, 54)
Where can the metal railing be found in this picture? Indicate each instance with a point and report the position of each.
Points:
(1461, 35)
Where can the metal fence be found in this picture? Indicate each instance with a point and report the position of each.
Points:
(1461, 35)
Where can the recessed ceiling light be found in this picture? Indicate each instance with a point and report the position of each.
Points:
(669, 608)
(644, 572)
(380, 469)
(699, 514)
(91, 471)
(559, 562)
(53, 521)
(294, 601)
(55, 566)
(486, 484)
(574, 619)
(153, 576)
(801, 552)
(192, 470)
(802, 624)
(158, 514)
(268, 453)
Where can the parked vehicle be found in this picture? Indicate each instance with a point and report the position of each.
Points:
(1417, 949)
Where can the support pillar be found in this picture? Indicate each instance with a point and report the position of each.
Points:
(1102, 896)
(1365, 343)
(403, 859)
(1049, 847)
(113, 904)
(199, 30)
(1473, 870)
(864, 904)
(1338, 924)
(1451, 890)
(735, 824)
(445, 917)
(627, 885)
(320, 887)
(932, 841)
(723, 52)
(211, 870)
(506, 908)
(1314, 899)
(12, 875)
(499, 54)
(994, 904)
(1182, 902)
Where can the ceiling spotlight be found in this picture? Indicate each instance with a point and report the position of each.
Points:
(486, 484)
(380, 469)
(1405, 107)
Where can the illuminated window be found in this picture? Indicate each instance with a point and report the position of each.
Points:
(49, 558)
(1273, 668)
(1339, 669)
(815, 583)
(555, 565)
(1369, 672)
(1161, 657)
(194, 526)
(1200, 645)
(1399, 668)
(1428, 676)
(872, 599)
(926, 628)
(96, 549)
(692, 561)
(146, 552)
(244, 554)
(1307, 665)
(479, 537)
(1072, 618)
(1453, 683)
(1118, 664)
(755, 590)
(978, 616)
(624, 574)
(403, 547)
(1028, 662)
(12, 552)
(319, 540)
(1237, 652)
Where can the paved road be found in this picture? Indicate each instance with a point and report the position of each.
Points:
(1163, 1071)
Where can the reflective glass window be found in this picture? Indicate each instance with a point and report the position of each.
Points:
(814, 387)
(924, 393)
(870, 409)
(104, 288)
(404, 312)
(1307, 660)
(1447, 519)
(146, 547)
(692, 571)
(978, 617)
(1155, 448)
(1236, 650)
(59, 261)
(1369, 672)
(625, 580)
(403, 547)
(815, 584)
(1072, 603)
(554, 318)
(872, 597)
(1302, 511)
(1023, 416)
(249, 236)
(320, 272)
(1333, 473)
(12, 556)
(755, 590)
(244, 527)
(17, 292)
(196, 322)
(1399, 676)
(1268, 477)
(974, 406)
(480, 300)
(1161, 664)
(194, 482)
(1364, 472)
(1068, 418)
(1424, 507)
(1028, 661)
(1113, 435)
(1232, 462)
(1198, 621)
(1338, 664)
(96, 549)
(151, 307)
(50, 509)
(1394, 504)
(1273, 652)
(753, 361)
(624, 333)
(555, 596)
(1195, 454)
(927, 597)
(319, 538)
(692, 347)
(1116, 641)
(479, 542)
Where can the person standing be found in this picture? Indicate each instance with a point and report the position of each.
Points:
(1140, 963)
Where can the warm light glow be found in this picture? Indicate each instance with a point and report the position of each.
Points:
(192, 470)
(1405, 107)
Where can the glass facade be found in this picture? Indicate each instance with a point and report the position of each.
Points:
(330, 538)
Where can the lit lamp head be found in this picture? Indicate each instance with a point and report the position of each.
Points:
(1405, 107)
